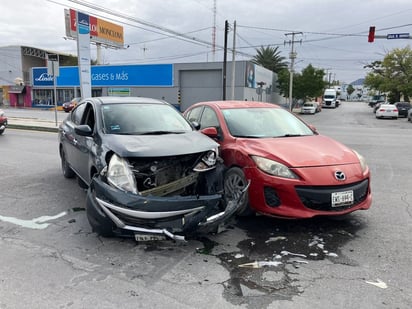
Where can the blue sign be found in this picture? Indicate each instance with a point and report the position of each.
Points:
(398, 36)
(151, 75)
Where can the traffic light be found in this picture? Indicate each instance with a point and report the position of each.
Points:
(179, 97)
(371, 36)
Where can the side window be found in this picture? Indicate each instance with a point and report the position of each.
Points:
(89, 116)
(209, 119)
(77, 113)
(194, 114)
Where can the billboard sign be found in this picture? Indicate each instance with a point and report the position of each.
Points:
(101, 31)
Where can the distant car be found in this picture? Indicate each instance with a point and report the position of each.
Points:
(3, 122)
(148, 173)
(403, 108)
(309, 108)
(387, 111)
(294, 172)
(68, 106)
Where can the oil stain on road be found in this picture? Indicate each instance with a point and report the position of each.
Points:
(263, 266)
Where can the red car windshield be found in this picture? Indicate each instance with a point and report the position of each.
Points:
(264, 122)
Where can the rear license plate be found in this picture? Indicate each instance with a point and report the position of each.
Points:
(342, 198)
(149, 237)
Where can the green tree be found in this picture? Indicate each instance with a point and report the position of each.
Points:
(393, 74)
(350, 90)
(308, 84)
(270, 58)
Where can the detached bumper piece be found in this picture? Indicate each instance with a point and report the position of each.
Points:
(111, 211)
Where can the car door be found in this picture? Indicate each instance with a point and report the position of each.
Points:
(85, 144)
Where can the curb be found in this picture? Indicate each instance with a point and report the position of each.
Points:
(32, 128)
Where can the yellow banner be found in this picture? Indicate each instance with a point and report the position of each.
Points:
(109, 31)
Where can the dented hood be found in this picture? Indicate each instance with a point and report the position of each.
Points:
(316, 150)
(159, 145)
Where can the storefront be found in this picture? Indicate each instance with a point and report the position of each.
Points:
(106, 80)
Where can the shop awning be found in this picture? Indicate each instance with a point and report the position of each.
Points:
(17, 89)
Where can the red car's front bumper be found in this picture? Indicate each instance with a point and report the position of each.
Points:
(309, 196)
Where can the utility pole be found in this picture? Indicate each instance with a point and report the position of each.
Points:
(225, 60)
(233, 61)
(292, 57)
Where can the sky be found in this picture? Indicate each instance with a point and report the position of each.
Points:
(329, 35)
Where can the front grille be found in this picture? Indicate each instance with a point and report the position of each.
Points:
(319, 197)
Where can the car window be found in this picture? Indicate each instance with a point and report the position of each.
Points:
(77, 114)
(88, 116)
(209, 118)
(194, 114)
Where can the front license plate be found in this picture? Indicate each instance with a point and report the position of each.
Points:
(148, 237)
(342, 198)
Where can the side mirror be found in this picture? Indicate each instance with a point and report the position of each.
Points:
(83, 130)
(196, 125)
(210, 131)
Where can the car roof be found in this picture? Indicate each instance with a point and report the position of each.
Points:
(237, 104)
(118, 99)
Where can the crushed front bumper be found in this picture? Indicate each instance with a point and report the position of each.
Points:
(175, 217)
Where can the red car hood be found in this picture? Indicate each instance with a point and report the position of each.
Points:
(316, 150)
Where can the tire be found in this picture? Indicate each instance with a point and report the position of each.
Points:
(66, 169)
(234, 182)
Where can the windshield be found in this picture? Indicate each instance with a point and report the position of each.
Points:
(264, 122)
(141, 118)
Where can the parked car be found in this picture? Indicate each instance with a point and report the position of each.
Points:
(148, 173)
(403, 108)
(68, 106)
(309, 108)
(3, 122)
(387, 111)
(294, 172)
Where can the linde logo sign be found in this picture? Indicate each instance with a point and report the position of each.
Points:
(44, 77)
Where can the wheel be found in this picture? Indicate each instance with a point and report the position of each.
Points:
(2, 131)
(67, 171)
(234, 182)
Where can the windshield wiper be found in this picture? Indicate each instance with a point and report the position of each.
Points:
(290, 135)
(159, 132)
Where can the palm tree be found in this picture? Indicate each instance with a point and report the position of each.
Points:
(270, 58)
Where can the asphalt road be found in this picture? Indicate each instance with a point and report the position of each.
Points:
(51, 259)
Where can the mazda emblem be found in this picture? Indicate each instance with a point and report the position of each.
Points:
(339, 175)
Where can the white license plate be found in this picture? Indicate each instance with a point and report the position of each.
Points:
(149, 237)
(342, 198)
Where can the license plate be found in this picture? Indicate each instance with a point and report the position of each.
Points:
(342, 198)
(149, 237)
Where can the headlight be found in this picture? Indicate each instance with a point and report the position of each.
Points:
(274, 168)
(362, 161)
(208, 161)
(120, 175)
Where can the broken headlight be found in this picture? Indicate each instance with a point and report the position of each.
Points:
(208, 161)
(120, 175)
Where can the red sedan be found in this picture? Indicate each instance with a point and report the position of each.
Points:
(294, 172)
